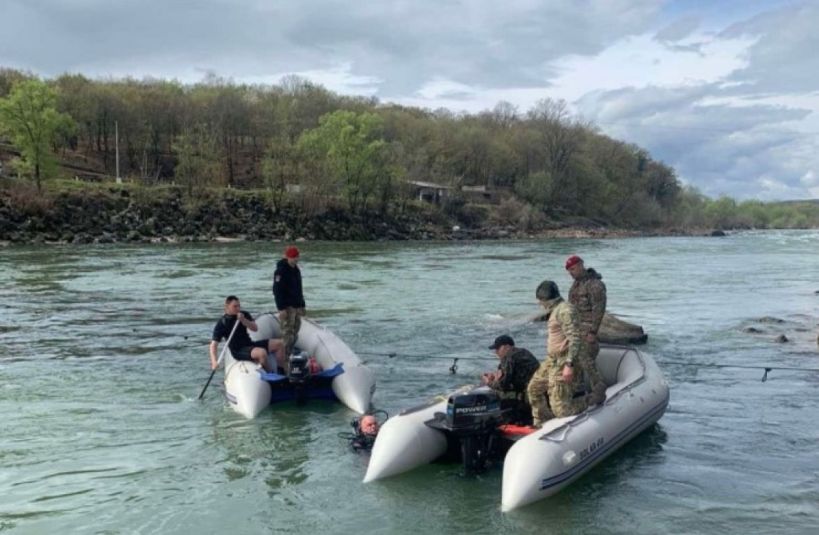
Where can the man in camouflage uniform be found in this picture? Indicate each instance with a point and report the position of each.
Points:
(558, 376)
(588, 295)
(515, 369)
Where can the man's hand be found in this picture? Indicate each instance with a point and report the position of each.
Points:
(213, 363)
(241, 317)
(301, 311)
(568, 374)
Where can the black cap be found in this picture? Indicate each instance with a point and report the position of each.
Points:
(502, 340)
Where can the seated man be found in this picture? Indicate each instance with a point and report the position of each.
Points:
(240, 344)
(515, 370)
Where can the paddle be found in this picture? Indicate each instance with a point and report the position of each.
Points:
(221, 356)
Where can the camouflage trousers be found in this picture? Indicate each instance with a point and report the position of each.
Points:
(593, 381)
(290, 321)
(516, 406)
(549, 396)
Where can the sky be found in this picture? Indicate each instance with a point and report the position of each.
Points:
(726, 92)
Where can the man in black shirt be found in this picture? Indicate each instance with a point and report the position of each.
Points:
(289, 298)
(515, 369)
(241, 346)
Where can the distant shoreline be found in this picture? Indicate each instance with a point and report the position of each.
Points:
(100, 216)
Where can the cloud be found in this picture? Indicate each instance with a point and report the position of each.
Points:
(403, 44)
(783, 57)
(678, 30)
(723, 146)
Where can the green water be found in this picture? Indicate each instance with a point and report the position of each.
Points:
(104, 350)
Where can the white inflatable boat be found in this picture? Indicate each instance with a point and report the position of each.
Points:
(249, 390)
(543, 462)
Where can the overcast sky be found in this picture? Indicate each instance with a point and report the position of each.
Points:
(727, 94)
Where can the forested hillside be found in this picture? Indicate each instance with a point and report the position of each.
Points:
(300, 140)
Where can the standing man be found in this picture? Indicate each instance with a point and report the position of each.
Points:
(588, 295)
(558, 375)
(240, 344)
(289, 299)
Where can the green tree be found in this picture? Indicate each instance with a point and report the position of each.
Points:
(353, 152)
(29, 115)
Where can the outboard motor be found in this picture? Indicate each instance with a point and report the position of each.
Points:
(299, 375)
(472, 419)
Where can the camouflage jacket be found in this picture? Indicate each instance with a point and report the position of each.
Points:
(517, 366)
(565, 318)
(588, 295)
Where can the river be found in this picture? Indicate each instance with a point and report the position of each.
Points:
(104, 351)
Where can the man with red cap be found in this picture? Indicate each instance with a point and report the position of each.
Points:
(588, 295)
(289, 298)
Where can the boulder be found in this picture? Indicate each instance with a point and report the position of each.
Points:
(613, 330)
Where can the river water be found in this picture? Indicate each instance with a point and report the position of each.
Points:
(104, 351)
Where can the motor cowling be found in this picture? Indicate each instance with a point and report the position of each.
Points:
(299, 370)
(471, 421)
(472, 411)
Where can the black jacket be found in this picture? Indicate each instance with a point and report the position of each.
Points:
(287, 286)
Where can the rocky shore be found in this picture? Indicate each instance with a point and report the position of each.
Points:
(120, 215)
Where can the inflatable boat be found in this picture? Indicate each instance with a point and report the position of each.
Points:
(249, 389)
(536, 463)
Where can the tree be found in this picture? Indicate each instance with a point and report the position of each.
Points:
(29, 115)
(282, 165)
(198, 153)
(353, 152)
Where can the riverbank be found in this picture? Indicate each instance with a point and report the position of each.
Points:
(120, 214)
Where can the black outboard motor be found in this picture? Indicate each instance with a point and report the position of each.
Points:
(299, 375)
(472, 419)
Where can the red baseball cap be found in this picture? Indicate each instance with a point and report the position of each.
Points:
(572, 260)
(291, 252)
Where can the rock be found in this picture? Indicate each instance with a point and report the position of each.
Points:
(770, 319)
(781, 339)
(613, 330)
(718, 233)
(752, 330)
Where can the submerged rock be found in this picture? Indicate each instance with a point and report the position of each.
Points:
(781, 339)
